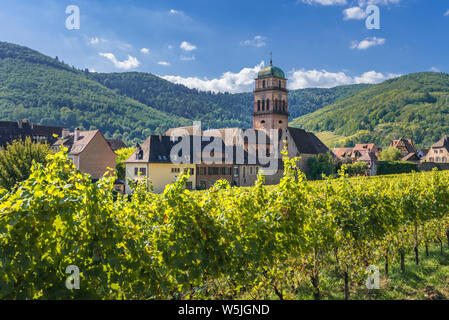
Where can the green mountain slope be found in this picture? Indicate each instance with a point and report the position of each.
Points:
(46, 91)
(415, 106)
(215, 110)
(129, 106)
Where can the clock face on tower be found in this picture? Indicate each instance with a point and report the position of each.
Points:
(280, 96)
(263, 96)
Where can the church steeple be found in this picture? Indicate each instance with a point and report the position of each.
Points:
(270, 99)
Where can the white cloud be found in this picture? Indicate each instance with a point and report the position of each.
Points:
(184, 58)
(374, 77)
(170, 47)
(446, 13)
(242, 81)
(326, 2)
(164, 63)
(187, 46)
(300, 79)
(96, 40)
(130, 63)
(258, 42)
(367, 43)
(145, 50)
(434, 69)
(364, 3)
(176, 12)
(354, 13)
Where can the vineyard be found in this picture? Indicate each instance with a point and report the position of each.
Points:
(225, 243)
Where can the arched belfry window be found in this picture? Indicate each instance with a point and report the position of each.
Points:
(258, 105)
(280, 84)
(263, 105)
(263, 84)
(283, 105)
(268, 105)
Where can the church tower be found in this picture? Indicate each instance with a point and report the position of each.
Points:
(270, 100)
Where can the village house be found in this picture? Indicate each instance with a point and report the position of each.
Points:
(89, 151)
(406, 147)
(365, 152)
(208, 175)
(368, 147)
(439, 152)
(152, 160)
(116, 144)
(238, 175)
(422, 153)
(19, 130)
(369, 158)
(346, 154)
(412, 157)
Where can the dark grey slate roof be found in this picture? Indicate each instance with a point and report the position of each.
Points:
(116, 144)
(307, 142)
(157, 149)
(15, 130)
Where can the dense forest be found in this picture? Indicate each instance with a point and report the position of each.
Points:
(415, 106)
(133, 105)
(45, 91)
(215, 110)
(129, 106)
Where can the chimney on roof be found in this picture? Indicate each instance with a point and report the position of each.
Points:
(160, 137)
(20, 124)
(65, 133)
(77, 134)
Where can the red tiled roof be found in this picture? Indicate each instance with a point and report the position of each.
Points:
(371, 147)
(76, 147)
(342, 152)
(408, 143)
(367, 156)
(443, 143)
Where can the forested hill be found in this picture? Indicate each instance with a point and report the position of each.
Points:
(46, 91)
(415, 106)
(215, 110)
(129, 106)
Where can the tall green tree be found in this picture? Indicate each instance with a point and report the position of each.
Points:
(324, 164)
(122, 155)
(16, 161)
(391, 154)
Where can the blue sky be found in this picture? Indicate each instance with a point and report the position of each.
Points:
(221, 44)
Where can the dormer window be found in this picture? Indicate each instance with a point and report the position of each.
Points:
(139, 155)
